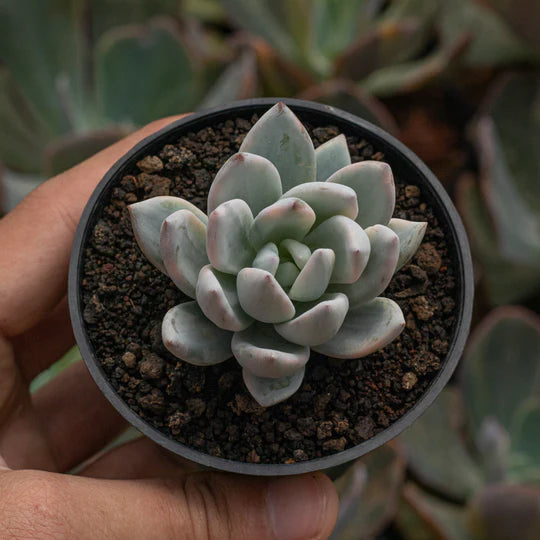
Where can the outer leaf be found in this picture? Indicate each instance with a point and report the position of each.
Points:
(327, 199)
(267, 258)
(48, 65)
(217, 298)
(373, 183)
(410, 234)
(262, 297)
(501, 367)
(526, 441)
(287, 218)
(245, 176)
(170, 83)
(264, 353)
(227, 242)
(268, 392)
(280, 137)
(332, 156)
(316, 322)
(436, 452)
(314, 277)
(365, 330)
(379, 270)
(299, 252)
(286, 273)
(190, 336)
(369, 493)
(183, 249)
(147, 218)
(349, 243)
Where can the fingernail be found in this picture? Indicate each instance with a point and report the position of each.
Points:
(296, 506)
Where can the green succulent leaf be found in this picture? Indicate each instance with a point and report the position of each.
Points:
(314, 277)
(227, 242)
(218, 300)
(190, 336)
(248, 177)
(350, 245)
(270, 391)
(410, 234)
(379, 270)
(262, 297)
(501, 367)
(366, 329)
(267, 258)
(315, 322)
(286, 218)
(286, 274)
(147, 218)
(264, 353)
(280, 137)
(183, 249)
(330, 157)
(436, 452)
(373, 183)
(171, 82)
(299, 252)
(326, 199)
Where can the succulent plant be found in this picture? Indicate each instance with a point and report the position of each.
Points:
(53, 114)
(297, 247)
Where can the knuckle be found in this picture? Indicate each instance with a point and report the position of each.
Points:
(205, 513)
(30, 506)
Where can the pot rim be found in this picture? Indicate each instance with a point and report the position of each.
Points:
(383, 139)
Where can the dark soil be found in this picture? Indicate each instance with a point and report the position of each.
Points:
(340, 403)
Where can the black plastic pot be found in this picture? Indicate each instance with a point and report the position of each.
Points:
(404, 163)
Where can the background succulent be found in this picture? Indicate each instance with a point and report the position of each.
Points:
(296, 249)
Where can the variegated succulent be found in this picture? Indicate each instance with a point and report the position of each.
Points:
(297, 247)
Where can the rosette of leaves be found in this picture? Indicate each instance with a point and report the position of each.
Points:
(297, 247)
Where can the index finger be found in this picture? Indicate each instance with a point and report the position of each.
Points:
(36, 237)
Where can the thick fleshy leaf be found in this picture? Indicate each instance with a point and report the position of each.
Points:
(526, 440)
(286, 274)
(348, 241)
(280, 137)
(286, 218)
(245, 176)
(267, 258)
(373, 183)
(147, 218)
(264, 353)
(183, 248)
(366, 329)
(436, 451)
(218, 300)
(227, 242)
(314, 277)
(379, 270)
(190, 336)
(327, 199)
(299, 252)
(316, 322)
(262, 297)
(410, 234)
(269, 391)
(332, 156)
(501, 366)
(369, 492)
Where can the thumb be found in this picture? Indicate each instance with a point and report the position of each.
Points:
(199, 506)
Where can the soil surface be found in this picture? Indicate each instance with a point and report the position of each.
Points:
(340, 403)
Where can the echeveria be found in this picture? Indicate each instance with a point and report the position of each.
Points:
(297, 247)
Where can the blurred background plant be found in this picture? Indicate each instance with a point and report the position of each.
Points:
(458, 81)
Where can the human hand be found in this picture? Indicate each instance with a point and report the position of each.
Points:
(137, 490)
